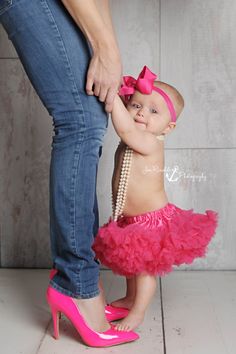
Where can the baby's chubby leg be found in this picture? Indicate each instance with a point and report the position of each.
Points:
(128, 300)
(145, 289)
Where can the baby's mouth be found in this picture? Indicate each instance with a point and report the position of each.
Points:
(139, 122)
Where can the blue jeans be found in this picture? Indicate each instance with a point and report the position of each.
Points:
(55, 56)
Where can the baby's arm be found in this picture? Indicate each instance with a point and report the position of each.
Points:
(143, 142)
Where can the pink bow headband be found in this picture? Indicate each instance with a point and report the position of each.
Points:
(144, 84)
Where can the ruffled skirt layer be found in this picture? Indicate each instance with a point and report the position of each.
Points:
(153, 242)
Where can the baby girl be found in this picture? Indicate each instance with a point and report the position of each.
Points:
(147, 235)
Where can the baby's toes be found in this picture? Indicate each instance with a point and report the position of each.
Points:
(118, 327)
(122, 327)
(127, 328)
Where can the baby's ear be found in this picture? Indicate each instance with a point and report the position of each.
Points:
(170, 127)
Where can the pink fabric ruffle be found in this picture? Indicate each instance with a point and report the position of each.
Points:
(133, 248)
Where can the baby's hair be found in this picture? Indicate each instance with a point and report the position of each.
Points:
(173, 93)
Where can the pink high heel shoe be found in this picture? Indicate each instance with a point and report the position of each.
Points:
(112, 313)
(115, 313)
(59, 302)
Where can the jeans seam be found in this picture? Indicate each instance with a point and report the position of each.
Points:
(73, 194)
(73, 220)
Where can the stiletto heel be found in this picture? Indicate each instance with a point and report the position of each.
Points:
(59, 302)
(55, 319)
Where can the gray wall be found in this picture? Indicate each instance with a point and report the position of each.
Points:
(192, 45)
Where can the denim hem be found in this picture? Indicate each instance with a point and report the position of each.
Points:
(71, 294)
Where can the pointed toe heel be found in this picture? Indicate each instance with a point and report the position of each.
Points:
(60, 303)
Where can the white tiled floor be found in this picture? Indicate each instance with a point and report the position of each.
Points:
(193, 312)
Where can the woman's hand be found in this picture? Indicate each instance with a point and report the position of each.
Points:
(104, 75)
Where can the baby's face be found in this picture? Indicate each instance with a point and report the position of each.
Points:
(149, 112)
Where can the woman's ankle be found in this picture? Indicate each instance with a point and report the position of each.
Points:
(93, 313)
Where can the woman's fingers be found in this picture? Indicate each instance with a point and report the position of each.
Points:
(89, 83)
(104, 77)
(103, 93)
(97, 88)
(91, 75)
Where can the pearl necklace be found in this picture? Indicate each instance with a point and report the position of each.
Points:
(117, 208)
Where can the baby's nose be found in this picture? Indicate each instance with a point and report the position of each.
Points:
(141, 113)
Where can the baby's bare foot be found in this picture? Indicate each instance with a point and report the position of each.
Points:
(130, 322)
(123, 302)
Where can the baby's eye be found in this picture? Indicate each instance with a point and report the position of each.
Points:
(154, 110)
(135, 105)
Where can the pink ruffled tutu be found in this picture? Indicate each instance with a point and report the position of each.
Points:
(153, 242)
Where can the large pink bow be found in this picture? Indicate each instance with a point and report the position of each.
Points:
(143, 84)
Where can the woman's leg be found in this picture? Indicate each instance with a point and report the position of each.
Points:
(145, 289)
(55, 56)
